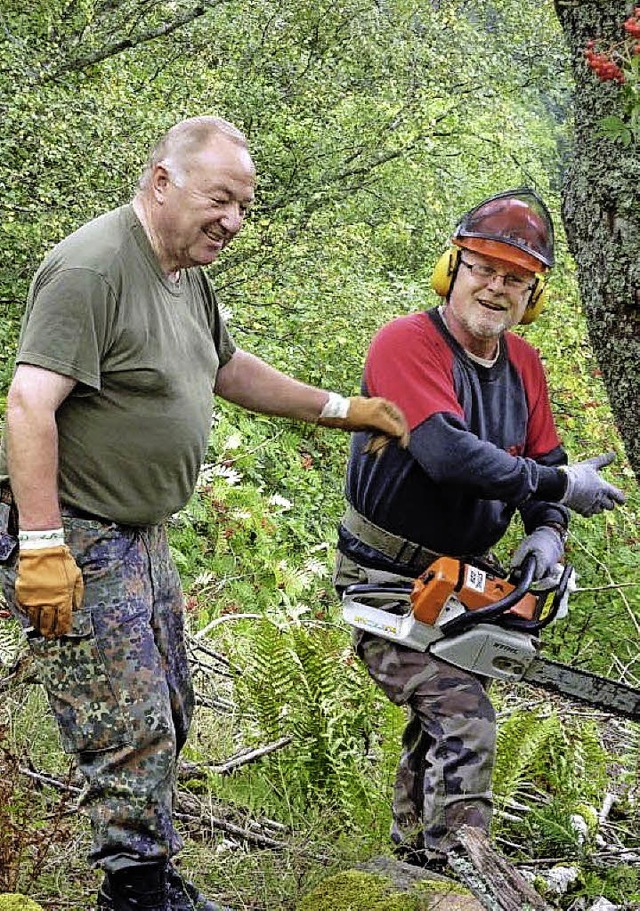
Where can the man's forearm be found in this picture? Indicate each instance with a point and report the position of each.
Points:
(32, 453)
(250, 382)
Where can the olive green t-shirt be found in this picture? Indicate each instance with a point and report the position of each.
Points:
(145, 352)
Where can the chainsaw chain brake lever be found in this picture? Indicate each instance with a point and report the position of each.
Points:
(498, 608)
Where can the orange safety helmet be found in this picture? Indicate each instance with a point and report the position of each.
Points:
(514, 226)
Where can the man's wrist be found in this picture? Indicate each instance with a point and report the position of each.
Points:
(336, 406)
(561, 530)
(40, 538)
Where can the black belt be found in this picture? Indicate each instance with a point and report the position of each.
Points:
(400, 550)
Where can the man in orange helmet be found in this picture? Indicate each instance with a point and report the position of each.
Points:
(483, 444)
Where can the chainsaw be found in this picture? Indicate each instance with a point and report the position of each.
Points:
(468, 615)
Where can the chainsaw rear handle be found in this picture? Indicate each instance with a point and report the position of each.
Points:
(498, 608)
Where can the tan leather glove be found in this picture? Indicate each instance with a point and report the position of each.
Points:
(48, 586)
(375, 414)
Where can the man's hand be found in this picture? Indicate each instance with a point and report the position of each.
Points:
(587, 493)
(375, 414)
(48, 586)
(546, 545)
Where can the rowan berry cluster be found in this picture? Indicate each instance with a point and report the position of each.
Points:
(612, 63)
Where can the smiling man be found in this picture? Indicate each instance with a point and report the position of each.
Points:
(483, 444)
(108, 419)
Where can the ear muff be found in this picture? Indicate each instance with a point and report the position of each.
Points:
(445, 271)
(537, 302)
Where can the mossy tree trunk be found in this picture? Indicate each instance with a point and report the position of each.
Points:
(601, 212)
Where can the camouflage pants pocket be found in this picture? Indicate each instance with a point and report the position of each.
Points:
(8, 557)
(80, 692)
(8, 541)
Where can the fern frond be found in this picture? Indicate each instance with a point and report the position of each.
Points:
(523, 740)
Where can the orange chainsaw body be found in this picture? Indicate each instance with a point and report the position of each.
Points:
(473, 587)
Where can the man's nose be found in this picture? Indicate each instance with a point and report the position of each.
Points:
(495, 277)
(232, 217)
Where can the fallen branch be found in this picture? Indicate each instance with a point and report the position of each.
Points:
(200, 769)
(262, 841)
(50, 781)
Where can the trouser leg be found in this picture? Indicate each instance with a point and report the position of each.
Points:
(120, 689)
(457, 748)
(444, 779)
(130, 793)
(406, 828)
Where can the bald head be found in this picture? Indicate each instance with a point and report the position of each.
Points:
(184, 141)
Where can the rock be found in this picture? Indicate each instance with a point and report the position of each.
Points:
(603, 904)
(559, 878)
(13, 901)
(400, 887)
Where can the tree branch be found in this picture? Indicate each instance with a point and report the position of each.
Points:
(116, 47)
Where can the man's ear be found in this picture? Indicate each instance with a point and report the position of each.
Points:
(159, 182)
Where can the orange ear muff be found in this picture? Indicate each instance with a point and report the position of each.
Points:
(537, 302)
(444, 271)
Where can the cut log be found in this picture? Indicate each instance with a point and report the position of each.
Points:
(490, 877)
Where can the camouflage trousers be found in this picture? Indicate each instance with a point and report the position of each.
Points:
(444, 778)
(119, 684)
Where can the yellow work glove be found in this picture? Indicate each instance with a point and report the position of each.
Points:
(48, 586)
(361, 413)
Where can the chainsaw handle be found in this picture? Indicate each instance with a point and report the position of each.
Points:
(492, 611)
(376, 588)
(534, 626)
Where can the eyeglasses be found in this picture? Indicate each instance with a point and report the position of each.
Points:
(488, 273)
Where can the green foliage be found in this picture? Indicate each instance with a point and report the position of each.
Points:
(547, 769)
(619, 62)
(301, 679)
(523, 742)
(32, 825)
(16, 902)
(620, 885)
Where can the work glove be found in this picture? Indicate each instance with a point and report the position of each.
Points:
(587, 493)
(375, 414)
(546, 545)
(48, 586)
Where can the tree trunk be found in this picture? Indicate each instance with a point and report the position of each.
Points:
(601, 212)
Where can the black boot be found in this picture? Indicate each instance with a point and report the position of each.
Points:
(415, 854)
(142, 887)
(184, 896)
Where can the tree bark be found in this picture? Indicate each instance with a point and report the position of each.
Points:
(496, 884)
(601, 213)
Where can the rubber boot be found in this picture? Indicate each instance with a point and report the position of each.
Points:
(142, 887)
(184, 896)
